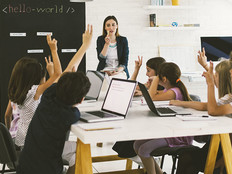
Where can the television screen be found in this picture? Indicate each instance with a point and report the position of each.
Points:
(217, 47)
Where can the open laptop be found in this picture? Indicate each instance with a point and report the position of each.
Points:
(163, 111)
(116, 103)
(96, 79)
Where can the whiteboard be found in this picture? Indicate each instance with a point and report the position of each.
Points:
(183, 55)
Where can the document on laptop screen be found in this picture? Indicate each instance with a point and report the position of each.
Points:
(119, 96)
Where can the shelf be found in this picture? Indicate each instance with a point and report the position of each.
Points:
(178, 7)
(170, 28)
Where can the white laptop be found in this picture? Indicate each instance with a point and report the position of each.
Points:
(116, 103)
(96, 79)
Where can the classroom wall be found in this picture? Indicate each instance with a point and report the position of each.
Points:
(214, 17)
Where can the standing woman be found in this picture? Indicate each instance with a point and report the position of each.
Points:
(112, 49)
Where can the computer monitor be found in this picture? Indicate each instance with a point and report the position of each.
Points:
(217, 47)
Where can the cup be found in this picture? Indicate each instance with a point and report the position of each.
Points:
(175, 2)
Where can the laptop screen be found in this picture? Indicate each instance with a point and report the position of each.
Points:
(119, 96)
(96, 80)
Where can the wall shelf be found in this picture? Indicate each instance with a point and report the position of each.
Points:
(170, 28)
(177, 7)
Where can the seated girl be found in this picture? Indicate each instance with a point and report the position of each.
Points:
(168, 77)
(152, 66)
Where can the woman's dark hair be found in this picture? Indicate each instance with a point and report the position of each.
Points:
(155, 62)
(104, 32)
(172, 72)
(26, 73)
(72, 87)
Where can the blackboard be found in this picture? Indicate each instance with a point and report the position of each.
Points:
(21, 25)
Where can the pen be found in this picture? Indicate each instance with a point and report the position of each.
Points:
(205, 116)
(96, 129)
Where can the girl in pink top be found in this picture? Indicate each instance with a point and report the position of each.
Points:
(168, 77)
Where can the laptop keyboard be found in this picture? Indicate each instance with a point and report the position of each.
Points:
(165, 110)
(101, 114)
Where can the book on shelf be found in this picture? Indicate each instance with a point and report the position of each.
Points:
(157, 2)
(152, 20)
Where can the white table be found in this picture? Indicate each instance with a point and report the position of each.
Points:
(141, 124)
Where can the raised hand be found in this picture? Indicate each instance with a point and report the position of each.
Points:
(49, 66)
(202, 59)
(52, 43)
(87, 36)
(209, 76)
(107, 38)
(138, 63)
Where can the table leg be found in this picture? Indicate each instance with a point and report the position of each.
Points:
(227, 151)
(212, 154)
(83, 159)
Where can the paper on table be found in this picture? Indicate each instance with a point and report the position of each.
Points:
(98, 126)
(196, 117)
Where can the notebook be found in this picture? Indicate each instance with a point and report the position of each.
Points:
(96, 79)
(116, 103)
(161, 111)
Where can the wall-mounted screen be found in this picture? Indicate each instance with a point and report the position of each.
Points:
(217, 47)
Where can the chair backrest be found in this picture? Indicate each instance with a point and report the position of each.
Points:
(195, 97)
(7, 150)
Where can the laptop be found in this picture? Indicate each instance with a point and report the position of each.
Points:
(116, 103)
(96, 79)
(161, 111)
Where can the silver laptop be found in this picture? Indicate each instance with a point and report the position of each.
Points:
(164, 111)
(96, 79)
(116, 103)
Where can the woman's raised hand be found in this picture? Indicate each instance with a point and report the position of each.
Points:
(107, 39)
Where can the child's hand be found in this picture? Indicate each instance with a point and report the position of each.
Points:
(209, 76)
(52, 43)
(202, 59)
(138, 63)
(49, 66)
(174, 102)
(87, 36)
(137, 93)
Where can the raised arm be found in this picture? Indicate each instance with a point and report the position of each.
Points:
(87, 37)
(138, 64)
(190, 104)
(202, 59)
(57, 67)
(213, 108)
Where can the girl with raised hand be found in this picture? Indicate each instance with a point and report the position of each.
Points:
(193, 162)
(152, 66)
(27, 84)
(222, 80)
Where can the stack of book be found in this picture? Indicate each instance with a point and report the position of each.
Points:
(157, 2)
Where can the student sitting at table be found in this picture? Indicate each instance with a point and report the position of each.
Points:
(57, 111)
(169, 77)
(193, 162)
(223, 83)
(152, 66)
